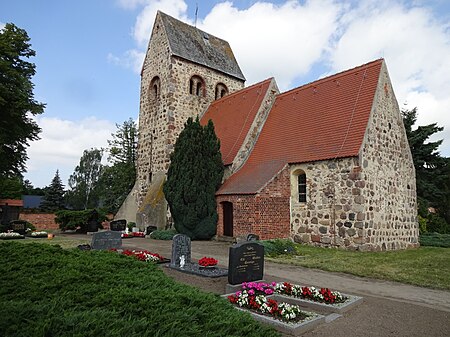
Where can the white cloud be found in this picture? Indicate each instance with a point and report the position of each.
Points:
(131, 59)
(61, 146)
(134, 58)
(416, 47)
(2, 25)
(284, 40)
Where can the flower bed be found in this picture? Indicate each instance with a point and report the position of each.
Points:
(127, 235)
(207, 262)
(259, 303)
(145, 255)
(138, 234)
(11, 236)
(41, 234)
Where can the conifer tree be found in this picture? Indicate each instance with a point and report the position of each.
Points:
(194, 175)
(54, 195)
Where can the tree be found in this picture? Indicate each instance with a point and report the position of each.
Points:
(195, 173)
(82, 182)
(123, 146)
(117, 180)
(432, 170)
(54, 195)
(17, 103)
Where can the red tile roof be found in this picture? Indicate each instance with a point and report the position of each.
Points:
(321, 120)
(233, 115)
(11, 202)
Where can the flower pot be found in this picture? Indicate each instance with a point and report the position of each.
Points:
(207, 267)
(50, 236)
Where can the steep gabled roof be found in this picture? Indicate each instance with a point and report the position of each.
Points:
(195, 45)
(233, 115)
(322, 120)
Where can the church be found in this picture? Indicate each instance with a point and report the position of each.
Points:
(327, 163)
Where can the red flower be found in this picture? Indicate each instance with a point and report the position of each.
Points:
(287, 288)
(207, 261)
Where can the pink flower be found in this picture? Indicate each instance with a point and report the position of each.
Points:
(251, 292)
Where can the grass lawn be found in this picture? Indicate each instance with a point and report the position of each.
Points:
(49, 291)
(424, 266)
(63, 241)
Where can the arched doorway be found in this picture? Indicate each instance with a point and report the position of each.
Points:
(227, 218)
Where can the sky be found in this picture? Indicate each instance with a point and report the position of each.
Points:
(89, 55)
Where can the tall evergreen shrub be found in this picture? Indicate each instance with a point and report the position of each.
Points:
(194, 175)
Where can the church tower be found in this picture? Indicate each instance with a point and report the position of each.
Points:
(185, 69)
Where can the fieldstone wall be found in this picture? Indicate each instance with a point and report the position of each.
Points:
(265, 214)
(166, 104)
(368, 202)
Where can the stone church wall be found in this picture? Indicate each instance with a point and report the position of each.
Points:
(365, 203)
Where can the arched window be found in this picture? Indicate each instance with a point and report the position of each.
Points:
(301, 184)
(154, 89)
(221, 90)
(197, 86)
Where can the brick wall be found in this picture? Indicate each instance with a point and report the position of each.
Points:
(40, 220)
(265, 214)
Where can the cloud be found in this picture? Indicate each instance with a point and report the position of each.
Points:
(131, 59)
(413, 42)
(283, 40)
(134, 58)
(61, 146)
(2, 25)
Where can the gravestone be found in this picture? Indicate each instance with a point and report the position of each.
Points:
(245, 263)
(181, 246)
(118, 225)
(93, 223)
(106, 240)
(19, 226)
(252, 237)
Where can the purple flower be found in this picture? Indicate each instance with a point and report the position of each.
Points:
(268, 291)
(251, 292)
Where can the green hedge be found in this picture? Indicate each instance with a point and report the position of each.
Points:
(71, 220)
(48, 291)
(163, 234)
(435, 240)
(277, 247)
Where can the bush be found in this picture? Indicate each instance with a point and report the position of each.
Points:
(71, 220)
(278, 247)
(435, 240)
(163, 234)
(98, 293)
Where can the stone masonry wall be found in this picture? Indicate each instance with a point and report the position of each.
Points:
(365, 203)
(388, 170)
(162, 117)
(265, 214)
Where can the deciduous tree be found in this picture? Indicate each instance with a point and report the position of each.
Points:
(17, 103)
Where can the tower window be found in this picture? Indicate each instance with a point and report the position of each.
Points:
(197, 86)
(221, 90)
(154, 90)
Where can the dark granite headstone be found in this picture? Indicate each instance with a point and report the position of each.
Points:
(150, 229)
(246, 263)
(106, 240)
(252, 237)
(181, 246)
(19, 226)
(93, 223)
(118, 225)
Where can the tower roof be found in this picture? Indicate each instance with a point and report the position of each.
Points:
(195, 45)
(325, 119)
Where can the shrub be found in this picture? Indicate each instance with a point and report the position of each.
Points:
(71, 220)
(435, 240)
(98, 293)
(163, 234)
(278, 247)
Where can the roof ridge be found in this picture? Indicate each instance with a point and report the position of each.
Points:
(243, 90)
(333, 76)
(187, 24)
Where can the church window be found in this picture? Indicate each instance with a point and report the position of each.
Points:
(197, 86)
(154, 89)
(301, 181)
(221, 90)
